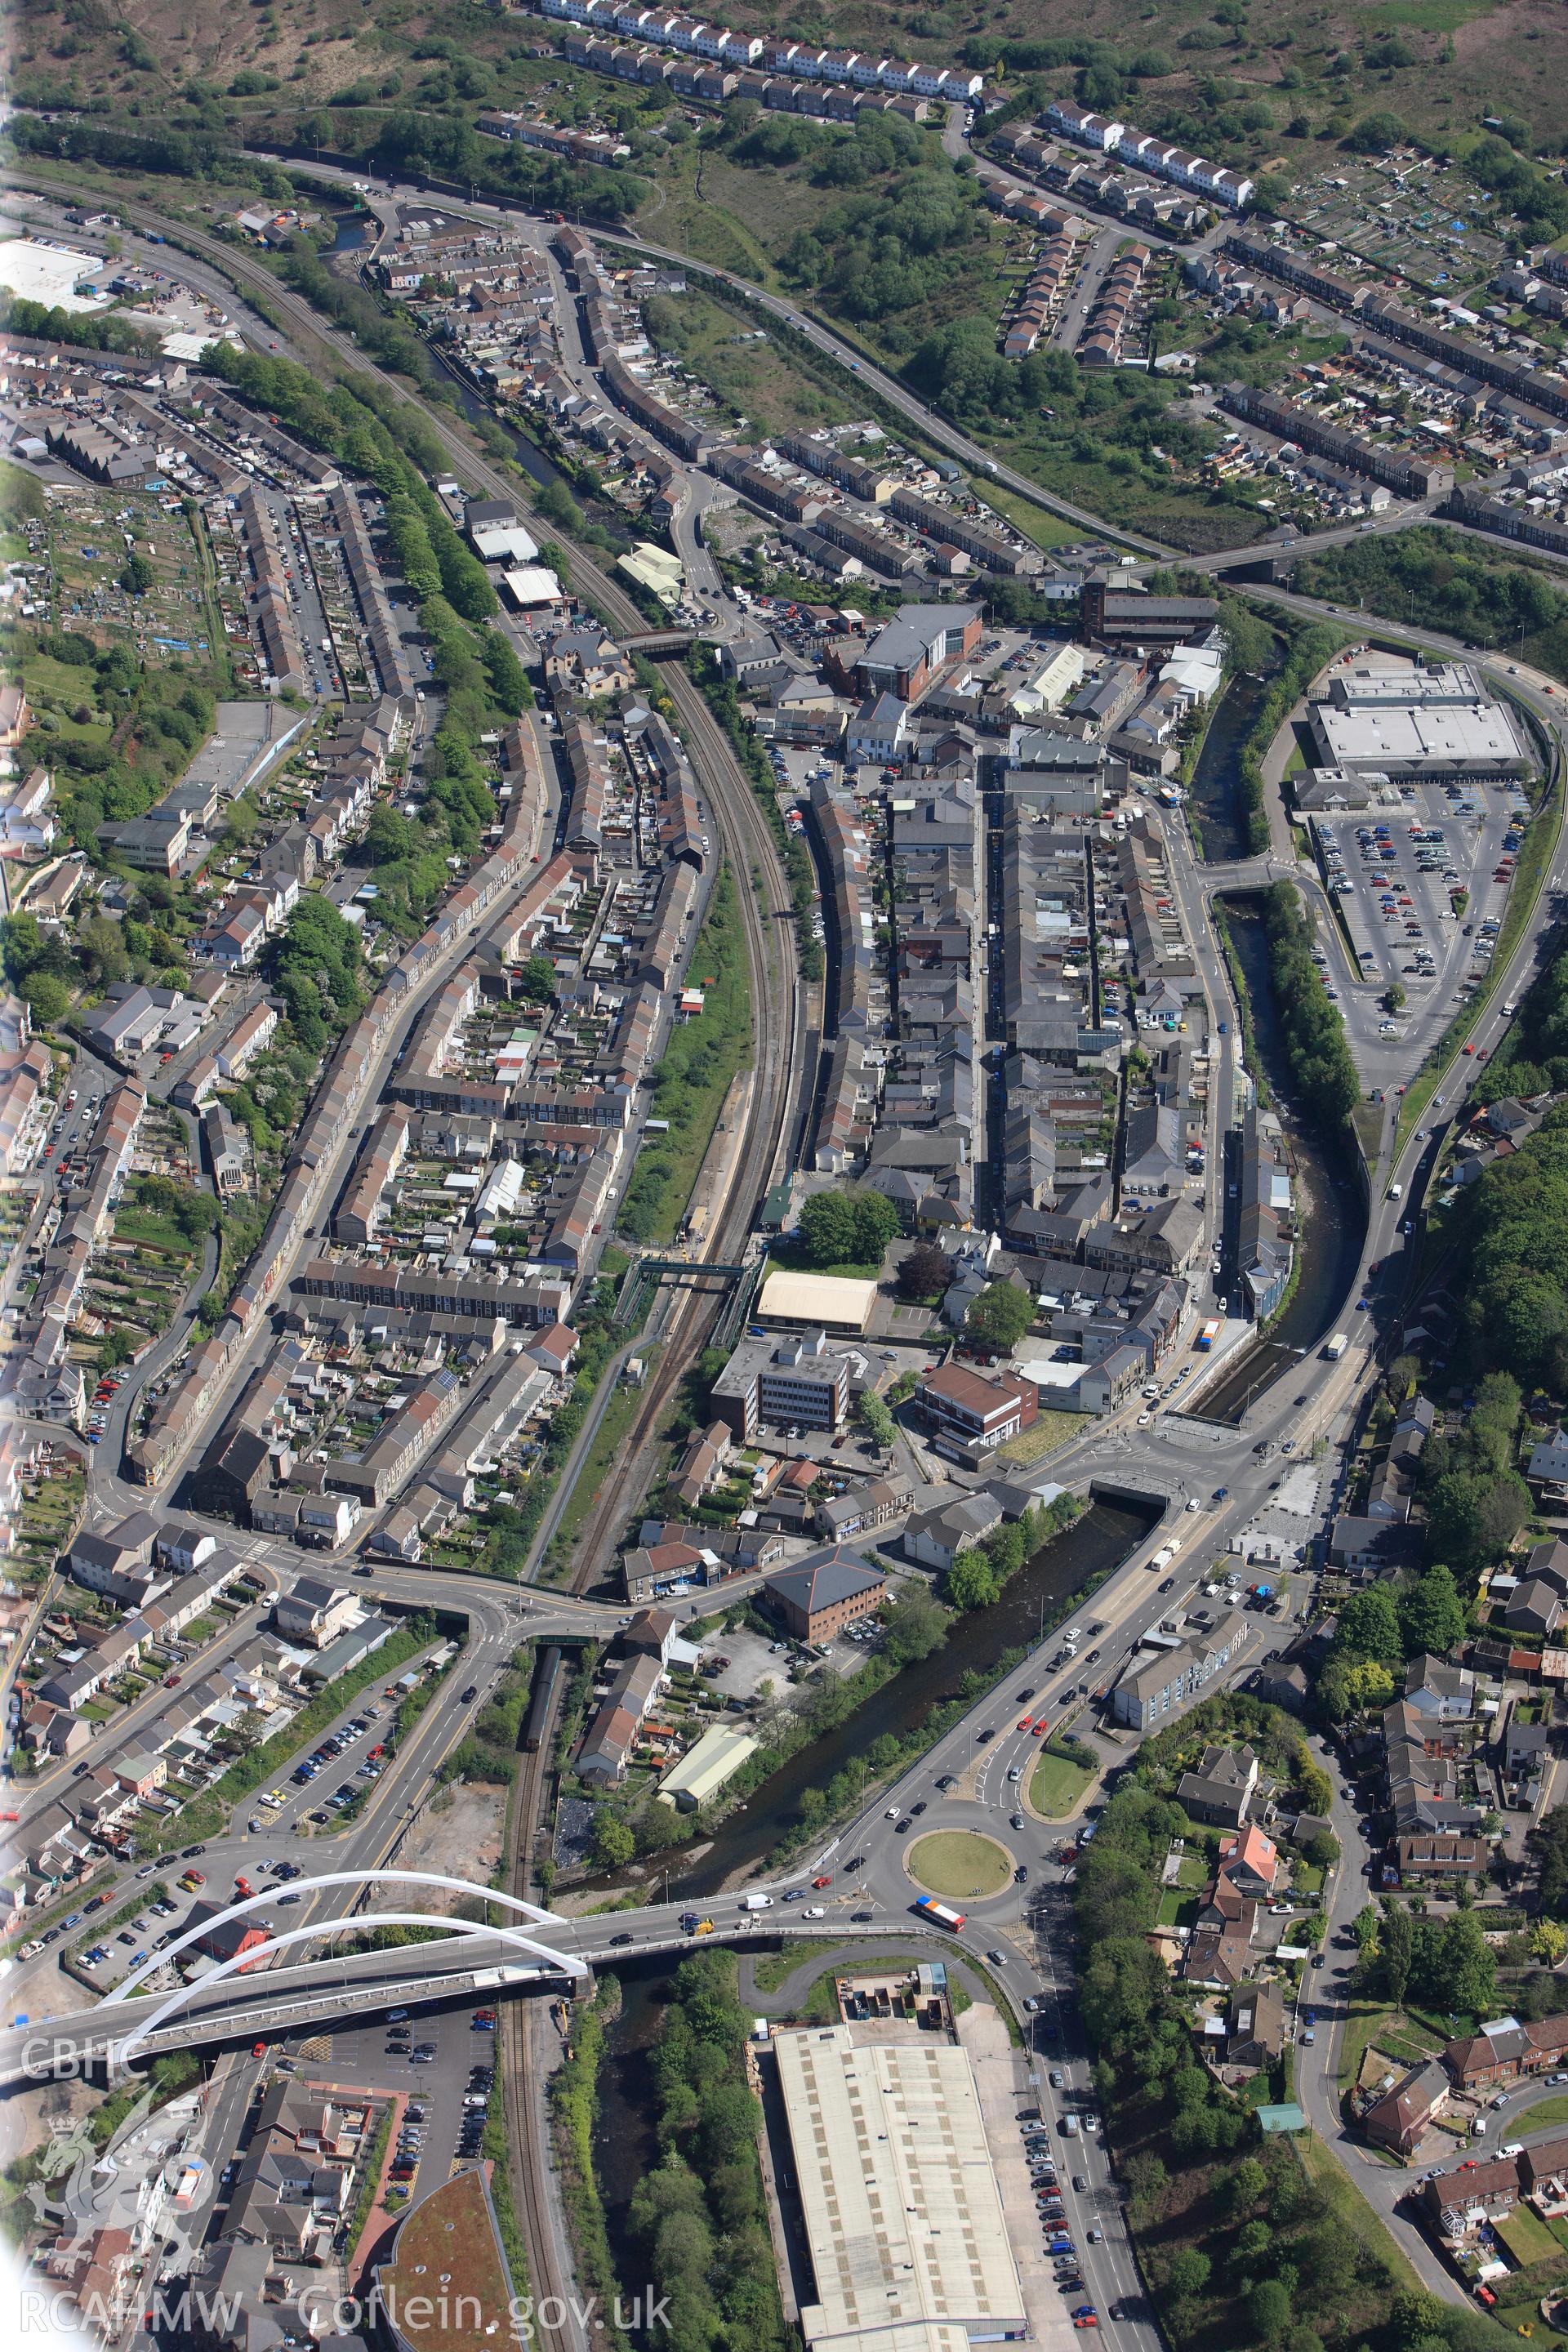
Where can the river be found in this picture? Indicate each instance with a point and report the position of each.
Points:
(1215, 793)
(1331, 1202)
(531, 459)
(625, 2145)
(1093, 1545)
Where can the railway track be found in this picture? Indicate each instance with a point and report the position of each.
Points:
(738, 820)
(784, 1063)
(528, 2156)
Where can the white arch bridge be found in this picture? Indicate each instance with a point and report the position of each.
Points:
(239, 1996)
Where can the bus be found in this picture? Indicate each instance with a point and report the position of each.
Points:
(938, 1914)
(1207, 1337)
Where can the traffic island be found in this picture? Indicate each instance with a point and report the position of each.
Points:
(963, 1864)
(1062, 1777)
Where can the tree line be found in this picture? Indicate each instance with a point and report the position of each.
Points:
(1309, 1026)
(1439, 579)
(699, 2214)
(1511, 1233)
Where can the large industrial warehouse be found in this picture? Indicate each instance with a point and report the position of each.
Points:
(909, 2243)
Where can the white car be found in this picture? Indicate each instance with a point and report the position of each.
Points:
(813, 1911)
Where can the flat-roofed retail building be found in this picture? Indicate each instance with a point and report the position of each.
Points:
(1390, 718)
(827, 1302)
(909, 2241)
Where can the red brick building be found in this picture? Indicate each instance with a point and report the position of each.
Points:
(974, 1412)
(825, 1592)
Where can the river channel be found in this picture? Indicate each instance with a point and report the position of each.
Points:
(1329, 1200)
(625, 2145)
(1092, 1546)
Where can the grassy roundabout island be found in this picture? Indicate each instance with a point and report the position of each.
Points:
(962, 1863)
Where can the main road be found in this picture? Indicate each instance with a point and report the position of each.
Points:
(784, 1041)
(1324, 1394)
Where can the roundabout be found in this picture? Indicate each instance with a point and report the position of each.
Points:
(963, 1864)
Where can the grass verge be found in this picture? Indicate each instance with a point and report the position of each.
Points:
(608, 1438)
(1352, 2213)
(574, 2106)
(498, 2152)
(370, 2181)
(1057, 1785)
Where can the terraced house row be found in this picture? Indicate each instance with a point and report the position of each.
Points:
(803, 60)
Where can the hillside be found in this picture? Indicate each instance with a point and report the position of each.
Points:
(1268, 81)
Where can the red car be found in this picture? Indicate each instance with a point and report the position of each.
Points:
(1041, 1728)
(259, 2050)
(1025, 1723)
(826, 1881)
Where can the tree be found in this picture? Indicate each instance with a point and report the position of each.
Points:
(913, 1625)
(536, 980)
(613, 1843)
(1249, 2248)
(137, 574)
(1463, 1969)
(840, 1227)
(1189, 2273)
(970, 1582)
(1355, 1689)
(1269, 2310)
(1548, 1941)
(1369, 1626)
(875, 1419)
(247, 1734)
(241, 822)
(1396, 1950)
(1323, 1850)
(1245, 2187)
(196, 1214)
(1374, 134)
(46, 998)
(102, 949)
(388, 839)
(1431, 1615)
(1000, 1316)
(924, 1271)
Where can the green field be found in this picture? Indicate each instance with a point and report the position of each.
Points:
(702, 1057)
(1042, 1437)
(1037, 524)
(1176, 1910)
(1549, 2112)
